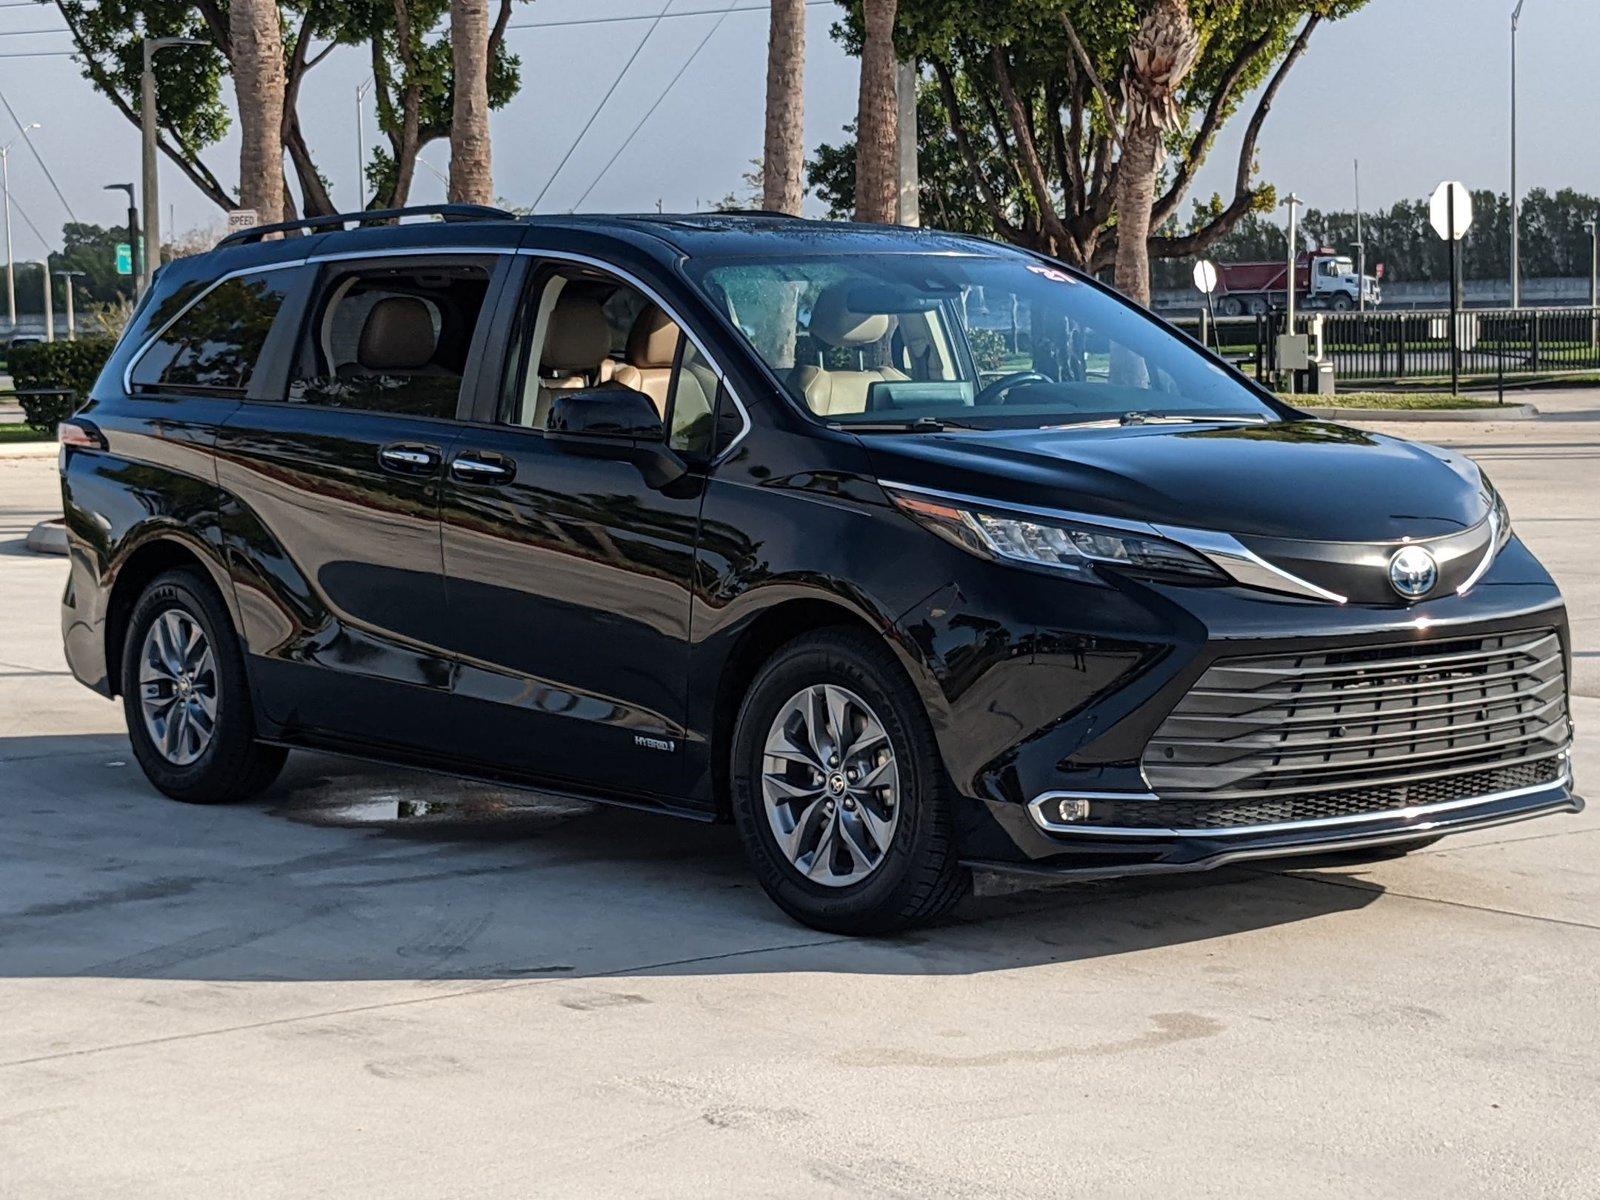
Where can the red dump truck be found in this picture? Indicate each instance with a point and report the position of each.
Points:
(1322, 279)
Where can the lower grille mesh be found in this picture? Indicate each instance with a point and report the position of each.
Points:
(1321, 806)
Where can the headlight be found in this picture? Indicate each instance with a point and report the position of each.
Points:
(1502, 516)
(1016, 537)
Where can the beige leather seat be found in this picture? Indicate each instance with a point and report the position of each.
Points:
(652, 349)
(829, 392)
(576, 353)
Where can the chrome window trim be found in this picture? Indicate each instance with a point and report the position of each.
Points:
(465, 251)
(1228, 553)
(154, 337)
(1036, 809)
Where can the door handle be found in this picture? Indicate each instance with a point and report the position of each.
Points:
(409, 459)
(476, 468)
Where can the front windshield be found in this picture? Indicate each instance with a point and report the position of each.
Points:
(992, 342)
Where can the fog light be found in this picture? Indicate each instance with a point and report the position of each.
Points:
(1070, 809)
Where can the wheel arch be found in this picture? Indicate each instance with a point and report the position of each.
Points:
(143, 563)
(762, 637)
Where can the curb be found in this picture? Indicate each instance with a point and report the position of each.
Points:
(48, 537)
(1509, 412)
(29, 450)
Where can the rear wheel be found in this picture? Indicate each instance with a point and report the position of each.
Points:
(841, 803)
(186, 698)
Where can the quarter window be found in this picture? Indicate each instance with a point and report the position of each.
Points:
(214, 346)
(390, 339)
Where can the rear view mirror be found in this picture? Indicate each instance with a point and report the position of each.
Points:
(610, 412)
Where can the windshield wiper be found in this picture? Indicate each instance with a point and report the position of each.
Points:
(1166, 418)
(917, 425)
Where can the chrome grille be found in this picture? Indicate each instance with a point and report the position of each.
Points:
(1379, 720)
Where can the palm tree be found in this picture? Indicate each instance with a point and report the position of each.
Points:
(255, 33)
(878, 117)
(784, 153)
(471, 176)
(1159, 58)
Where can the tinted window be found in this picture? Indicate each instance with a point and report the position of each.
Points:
(390, 339)
(993, 341)
(214, 346)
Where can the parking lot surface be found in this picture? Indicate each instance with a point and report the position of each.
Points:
(379, 982)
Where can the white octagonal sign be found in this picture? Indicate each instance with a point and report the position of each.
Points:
(1439, 209)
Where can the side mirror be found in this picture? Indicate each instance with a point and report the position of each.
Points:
(616, 422)
(615, 412)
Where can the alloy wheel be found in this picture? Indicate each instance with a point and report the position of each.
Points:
(830, 785)
(178, 687)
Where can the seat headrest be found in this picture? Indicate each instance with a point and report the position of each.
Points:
(653, 340)
(397, 336)
(833, 323)
(578, 336)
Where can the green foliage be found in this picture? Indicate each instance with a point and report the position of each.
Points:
(988, 348)
(977, 52)
(407, 43)
(1554, 243)
(71, 365)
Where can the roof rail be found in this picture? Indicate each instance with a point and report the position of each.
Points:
(449, 212)
(751, 212)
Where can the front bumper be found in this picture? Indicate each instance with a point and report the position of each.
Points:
(1155, 852)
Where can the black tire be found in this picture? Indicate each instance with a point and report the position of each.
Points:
(233, 765)
(919, 876)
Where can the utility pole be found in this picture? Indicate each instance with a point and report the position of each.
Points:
(1292, 204)
(49, 301)
(5, 184)
(1361, 249)
(72, 317)
(1516, 199)
(361, 144)
(1594, 261)
(133, 230)
(147, 132)
(905, 78)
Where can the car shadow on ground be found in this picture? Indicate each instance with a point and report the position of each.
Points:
(344, 871)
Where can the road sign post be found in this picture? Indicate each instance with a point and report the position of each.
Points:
(124, 258)
(1450, 214)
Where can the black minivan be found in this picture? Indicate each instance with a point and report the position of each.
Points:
(904, 551)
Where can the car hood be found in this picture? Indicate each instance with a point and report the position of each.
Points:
(1297, 480)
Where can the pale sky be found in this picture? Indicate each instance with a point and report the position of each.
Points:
(1417, 89)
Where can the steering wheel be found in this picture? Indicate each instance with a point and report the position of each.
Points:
(995, 391)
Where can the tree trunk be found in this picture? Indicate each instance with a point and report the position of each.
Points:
(878, 118)
(1136, 195)
(1159, 58)
(257, 36)
(471, 178)
(784, 154)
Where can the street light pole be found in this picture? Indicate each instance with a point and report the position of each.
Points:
(49, 301)
(147, 131)
(1516, 201)
(1361, 249)
(72, 317)
(5, 185)
(361, 145)
(1292, 204)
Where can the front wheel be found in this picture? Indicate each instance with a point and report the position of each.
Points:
(186, 698)
(839, 795)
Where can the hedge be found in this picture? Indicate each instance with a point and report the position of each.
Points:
(70, 365)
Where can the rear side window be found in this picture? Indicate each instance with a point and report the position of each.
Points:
(214, 345)
(391, 339)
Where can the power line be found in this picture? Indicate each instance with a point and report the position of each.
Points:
(38, 158)
(29, 32)
(621, 75)
(38, 54)
(688, 12)
(632, 133)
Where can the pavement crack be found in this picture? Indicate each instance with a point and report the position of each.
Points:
(1362, 886)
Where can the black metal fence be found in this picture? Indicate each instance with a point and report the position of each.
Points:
(1378, 346)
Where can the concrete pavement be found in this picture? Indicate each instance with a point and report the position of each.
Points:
(375, 982)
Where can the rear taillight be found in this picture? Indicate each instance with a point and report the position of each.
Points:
(79, 435)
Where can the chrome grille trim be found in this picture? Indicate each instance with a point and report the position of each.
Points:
(1333, 718)
(1418, 813)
